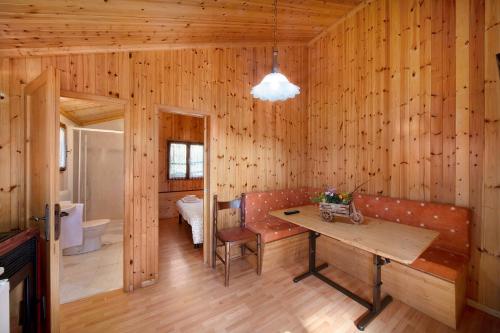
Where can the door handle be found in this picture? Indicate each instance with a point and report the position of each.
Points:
(57, 224)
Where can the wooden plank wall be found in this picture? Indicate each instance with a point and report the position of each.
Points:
(396, 99)
(5, 154)
(489, 281)
(174, 127)
(254, 146)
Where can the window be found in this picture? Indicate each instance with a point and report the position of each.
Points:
(196, 161)
(185, 160)
(63, 148)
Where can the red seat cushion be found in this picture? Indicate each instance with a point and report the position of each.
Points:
(235, 234)
(441, 263)
(272, 228)
(259, 204)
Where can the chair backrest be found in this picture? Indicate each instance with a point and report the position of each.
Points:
(238, 203)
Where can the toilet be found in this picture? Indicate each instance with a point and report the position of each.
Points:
(92, 232)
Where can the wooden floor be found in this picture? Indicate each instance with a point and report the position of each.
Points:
(190, 297)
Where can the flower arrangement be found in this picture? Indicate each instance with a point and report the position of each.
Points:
(332, 196)
(333, 203)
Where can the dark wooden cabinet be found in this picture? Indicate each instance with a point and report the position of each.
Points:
(19, 256)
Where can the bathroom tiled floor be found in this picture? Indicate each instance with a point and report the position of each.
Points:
(95, 272)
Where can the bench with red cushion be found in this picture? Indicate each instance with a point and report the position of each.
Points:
(445, 260)
(259, 204)
(448, 255)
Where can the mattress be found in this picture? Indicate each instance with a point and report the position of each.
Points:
(193, 214)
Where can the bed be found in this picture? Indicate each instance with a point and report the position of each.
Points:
(192, 213)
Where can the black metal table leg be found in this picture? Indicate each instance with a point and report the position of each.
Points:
(312, 258)
(344, 291)
(374, 308)
(378, 305)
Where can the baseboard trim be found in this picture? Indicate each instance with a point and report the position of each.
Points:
(482, 307)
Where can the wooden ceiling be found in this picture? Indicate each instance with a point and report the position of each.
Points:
(56, 26)
(86, 112)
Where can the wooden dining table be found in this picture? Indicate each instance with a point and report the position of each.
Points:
(385, 240)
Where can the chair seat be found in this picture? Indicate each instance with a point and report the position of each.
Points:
(273, 228)
(235, 234)
(441, 263)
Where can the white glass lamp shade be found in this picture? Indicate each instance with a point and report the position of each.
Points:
(275, 87)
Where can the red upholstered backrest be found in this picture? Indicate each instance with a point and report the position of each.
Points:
(450, 221)
(259, 204)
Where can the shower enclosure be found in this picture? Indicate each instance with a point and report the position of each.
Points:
(98, 172)
(96, 179)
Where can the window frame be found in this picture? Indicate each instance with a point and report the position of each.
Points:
(188, 157)
(63, 126)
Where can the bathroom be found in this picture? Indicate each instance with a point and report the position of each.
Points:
(92, 197)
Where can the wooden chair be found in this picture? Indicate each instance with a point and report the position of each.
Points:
(234, 236)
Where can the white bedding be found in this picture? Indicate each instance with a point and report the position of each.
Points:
(193, 214)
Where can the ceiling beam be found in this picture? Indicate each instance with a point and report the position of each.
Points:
(45, 51)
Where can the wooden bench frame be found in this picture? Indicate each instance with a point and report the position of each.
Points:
(440, 299)
(283, 252)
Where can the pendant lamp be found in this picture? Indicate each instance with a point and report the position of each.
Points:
(275, 86)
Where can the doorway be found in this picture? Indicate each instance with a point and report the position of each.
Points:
(91, 193)
(183, 179)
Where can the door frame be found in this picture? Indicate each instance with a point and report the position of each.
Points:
(208, 181)
(128, 178)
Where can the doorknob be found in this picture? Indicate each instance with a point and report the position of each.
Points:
(57, 225)
(42, 218)
(46, 219)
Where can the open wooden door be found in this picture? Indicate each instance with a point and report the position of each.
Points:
(42, 142)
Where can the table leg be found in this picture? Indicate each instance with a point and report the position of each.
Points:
(312, 258)
(378, 304)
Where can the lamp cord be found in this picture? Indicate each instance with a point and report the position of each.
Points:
(275, 42)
